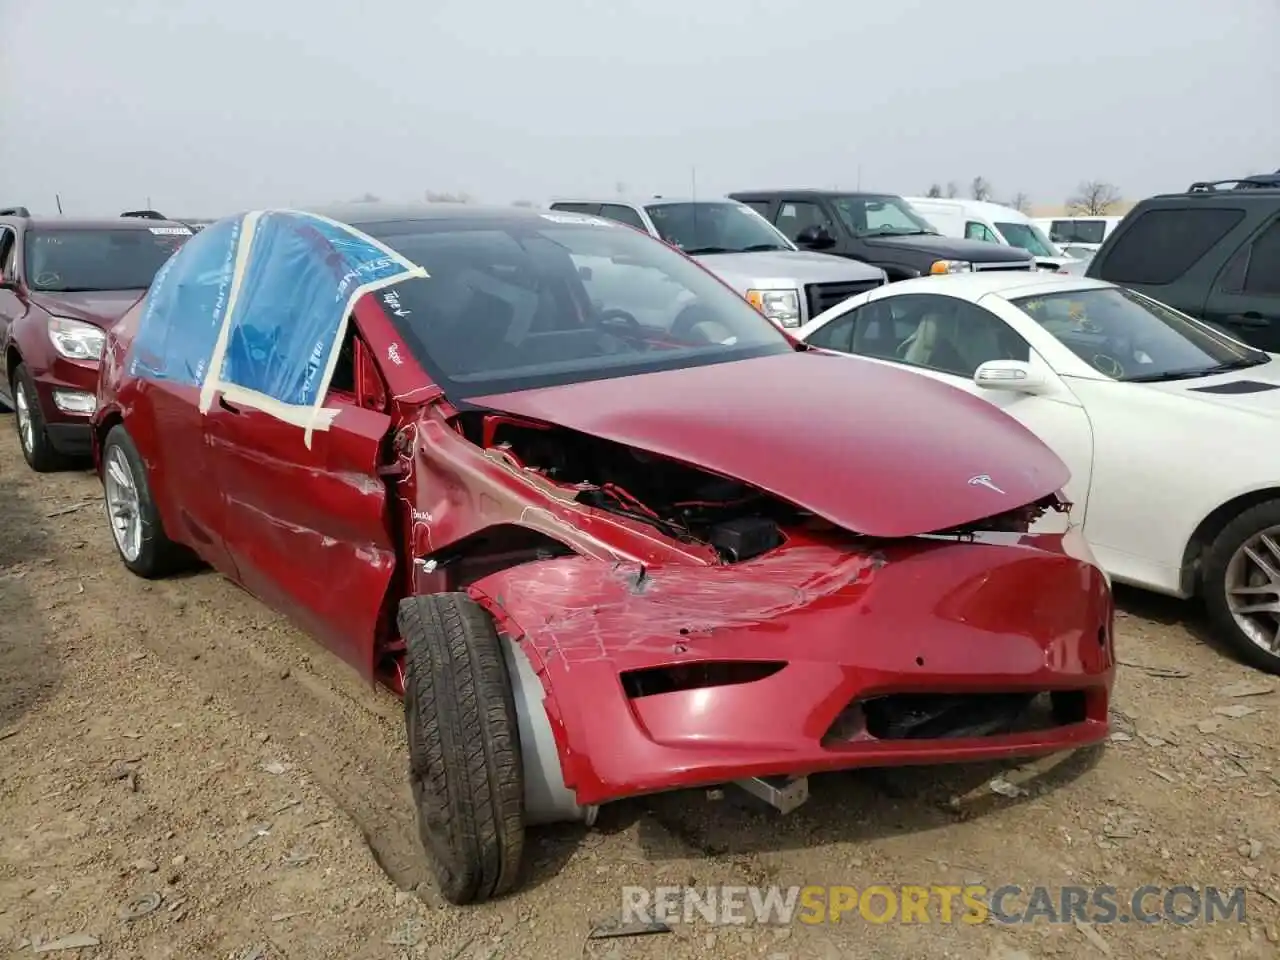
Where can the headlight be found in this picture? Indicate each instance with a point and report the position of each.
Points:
(950, 266)
(780, 306)
(75, 339)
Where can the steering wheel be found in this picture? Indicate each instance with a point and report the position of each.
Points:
(614, 317)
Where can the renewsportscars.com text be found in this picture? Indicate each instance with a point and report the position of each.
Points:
(940, 903)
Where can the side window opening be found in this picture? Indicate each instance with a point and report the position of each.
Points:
(356, 378)
(1262, 271)
(623, 214)
(938, 333)
(8, 254)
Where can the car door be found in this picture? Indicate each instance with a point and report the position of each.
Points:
(1245, 297)
(309, 530)
(962, 336)
(11, 304)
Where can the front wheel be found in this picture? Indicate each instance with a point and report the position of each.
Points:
(131, 510)
(1241, 585)
(37, 448)
(465, 763)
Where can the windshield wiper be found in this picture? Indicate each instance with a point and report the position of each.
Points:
(695, 251)
(1223, 367)
(762, 248)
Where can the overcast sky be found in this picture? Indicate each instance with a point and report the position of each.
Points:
(210, 106)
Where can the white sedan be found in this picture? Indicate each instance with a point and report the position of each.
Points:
(1168, 425)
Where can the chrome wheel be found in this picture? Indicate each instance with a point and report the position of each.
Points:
(1253, 589)
(22, 410)
(121, 491)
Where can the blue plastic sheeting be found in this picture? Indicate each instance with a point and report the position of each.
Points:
(293, 301)
(264, 297)
(185, 307)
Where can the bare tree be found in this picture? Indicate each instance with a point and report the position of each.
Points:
(459, 197)
(935, 190)
(366, 198)
(1094, 198)
(953, 190)
(1021, 202)
(980, 188)
(522, 203)
(620, 188)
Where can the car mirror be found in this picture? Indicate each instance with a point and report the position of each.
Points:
(1014, 376)
(815, 237)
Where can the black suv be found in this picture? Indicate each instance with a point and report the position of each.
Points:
(880, 229)
(1212, 252)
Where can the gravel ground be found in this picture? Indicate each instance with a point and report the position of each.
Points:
(177, 750)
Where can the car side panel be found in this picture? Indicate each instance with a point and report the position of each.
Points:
(309, 529)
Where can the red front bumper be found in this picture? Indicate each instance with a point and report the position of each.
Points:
(835, 627)
(69, 432)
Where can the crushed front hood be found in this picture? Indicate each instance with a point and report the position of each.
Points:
(871, 447)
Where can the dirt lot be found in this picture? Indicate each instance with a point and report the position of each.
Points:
(178, 739)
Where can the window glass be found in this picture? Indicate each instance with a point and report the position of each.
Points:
(1262, 275)
(795, 216)
(836, 335)
(623, 214)
(514, 304)
(1163, 244)
(568, 207)
(63, 259)
(1127, 336)
(880, 216)
(978, 231)
(1026, 236)
(714, 227)
(940, 333)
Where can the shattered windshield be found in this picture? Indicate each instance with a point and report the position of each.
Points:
(65, 260)
(1126, 336)
(523, 303)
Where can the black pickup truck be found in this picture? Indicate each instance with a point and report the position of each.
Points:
(879, 229)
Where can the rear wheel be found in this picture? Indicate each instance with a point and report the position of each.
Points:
(37, 449)
(464, 746)
(135, 522)
(1241, 585)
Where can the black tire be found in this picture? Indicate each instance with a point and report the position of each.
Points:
(40, 455)
(159, 556)
(1213, 583)
(464, 747)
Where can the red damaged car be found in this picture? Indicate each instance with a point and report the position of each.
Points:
(607, 529)
(63, 281)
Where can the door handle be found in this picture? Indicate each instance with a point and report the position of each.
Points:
(1250, 319)
(229, 407)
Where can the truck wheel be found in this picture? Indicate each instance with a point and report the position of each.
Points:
(464, 746)
(1241, 585)
(131, 511)
(37, 449)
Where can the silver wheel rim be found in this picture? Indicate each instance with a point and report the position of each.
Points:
(22, 410)
(122, 504)
(1253, 589)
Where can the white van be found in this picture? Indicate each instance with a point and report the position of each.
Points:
(1084, 232)
(993, 222)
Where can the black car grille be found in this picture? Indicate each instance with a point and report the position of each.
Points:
(824, 296)
(1023, 265)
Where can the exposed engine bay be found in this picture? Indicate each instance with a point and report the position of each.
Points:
(684, 502)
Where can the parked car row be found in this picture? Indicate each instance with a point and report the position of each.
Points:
(610, 528)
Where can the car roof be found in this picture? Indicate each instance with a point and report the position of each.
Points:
(91, 223)
(367, 214)
(814, 192)
(644, 201)
(992, 211)
(1003, 283)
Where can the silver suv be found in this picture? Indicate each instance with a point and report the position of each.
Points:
(788, 285)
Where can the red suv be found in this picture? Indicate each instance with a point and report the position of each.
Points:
(63, 282)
